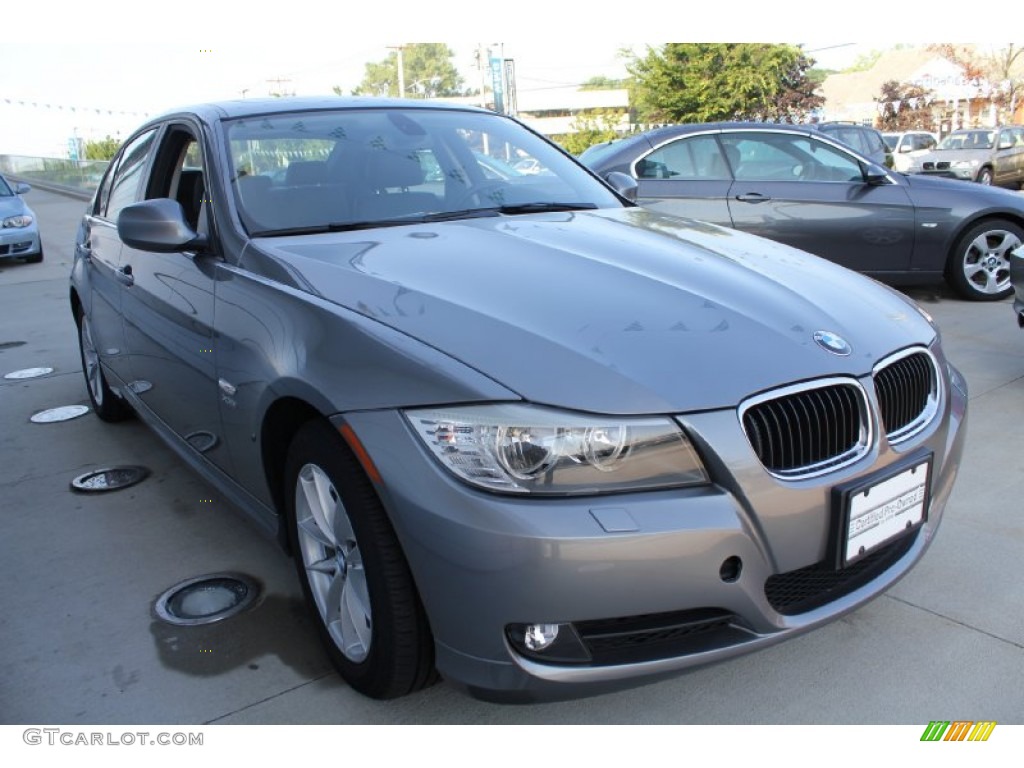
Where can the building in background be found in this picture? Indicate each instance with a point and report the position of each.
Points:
(953, 100)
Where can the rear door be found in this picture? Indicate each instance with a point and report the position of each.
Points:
(101, 248)
(811, 194)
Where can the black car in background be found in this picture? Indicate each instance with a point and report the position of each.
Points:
(863, 138)
(796, 185)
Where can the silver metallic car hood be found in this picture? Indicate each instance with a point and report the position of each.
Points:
(11, 206)
(614, 311)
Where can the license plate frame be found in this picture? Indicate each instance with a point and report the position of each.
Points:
(902, 498)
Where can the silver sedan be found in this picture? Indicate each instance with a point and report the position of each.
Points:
(515, 431)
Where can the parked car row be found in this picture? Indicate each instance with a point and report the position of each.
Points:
(798, 186)
(19, 230)
(515, 428)
(985, 155)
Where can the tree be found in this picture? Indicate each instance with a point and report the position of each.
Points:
(102, 149)
(428, 72)
(1005, 69)
(602, 83)
(904, 107)
(705, 82)
(589, 130)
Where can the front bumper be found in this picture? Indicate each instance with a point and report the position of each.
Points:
(17, 243)
(964, 174)
(483, 562)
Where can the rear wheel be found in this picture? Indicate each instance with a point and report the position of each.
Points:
(108, 406)
(355, 577)
(979, 264)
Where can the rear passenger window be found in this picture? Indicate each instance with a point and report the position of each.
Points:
(695, 158)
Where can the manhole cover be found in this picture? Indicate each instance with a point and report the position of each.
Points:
(28, 373)
(206, 599)
(63, 413)
(109, 479)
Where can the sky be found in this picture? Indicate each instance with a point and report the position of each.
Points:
(105, 72)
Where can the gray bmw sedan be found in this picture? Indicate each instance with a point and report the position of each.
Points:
(514, 430)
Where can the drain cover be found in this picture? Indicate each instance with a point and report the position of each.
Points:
(109, 479)
(206, 599)
(64, 413)
(28, 373)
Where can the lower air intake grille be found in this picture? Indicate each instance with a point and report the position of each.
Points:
(658, 636)
(808, 588)
(808, 431)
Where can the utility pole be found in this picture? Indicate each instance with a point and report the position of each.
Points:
(401, 70)
(483, 62)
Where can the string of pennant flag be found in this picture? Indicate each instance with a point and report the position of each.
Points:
(76, 109)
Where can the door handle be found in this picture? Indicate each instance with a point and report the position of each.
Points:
(124, 275)
(752, 197)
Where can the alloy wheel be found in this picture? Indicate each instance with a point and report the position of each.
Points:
(333, 563)
(986, 264)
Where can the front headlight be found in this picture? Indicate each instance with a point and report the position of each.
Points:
(16, 222)
(965, 163)
(515, 448)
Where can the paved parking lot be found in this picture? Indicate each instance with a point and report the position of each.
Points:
(81, 572)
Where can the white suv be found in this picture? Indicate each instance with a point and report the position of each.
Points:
(906, 145)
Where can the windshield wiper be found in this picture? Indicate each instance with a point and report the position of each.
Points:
(468, 213)
(341, 226)
(544, 207)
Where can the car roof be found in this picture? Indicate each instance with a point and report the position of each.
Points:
(236, 108)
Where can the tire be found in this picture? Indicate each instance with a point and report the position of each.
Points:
(356, 580)
(108, 406)
(985, 176)
(978, 266)
(36, 258)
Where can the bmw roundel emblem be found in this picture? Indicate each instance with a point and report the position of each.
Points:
(833, 342)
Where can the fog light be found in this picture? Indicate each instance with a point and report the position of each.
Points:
(540, 636)
(551, 643)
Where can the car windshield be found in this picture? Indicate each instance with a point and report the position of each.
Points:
(891, 139)
(5, 191)
(360, 168)
(968, 140)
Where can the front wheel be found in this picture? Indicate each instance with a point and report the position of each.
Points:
(353, 572)
(35, 258)
(985, 176)
(108, 406)
(979, 264)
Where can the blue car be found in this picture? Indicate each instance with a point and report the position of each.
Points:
(19, 234)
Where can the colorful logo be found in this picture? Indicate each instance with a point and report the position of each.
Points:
(958, 730)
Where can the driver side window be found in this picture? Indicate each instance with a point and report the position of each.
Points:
(789, 157)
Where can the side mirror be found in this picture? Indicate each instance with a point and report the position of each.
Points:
(159, 226)
(21, 188)
(873, 175)
(624, 184)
